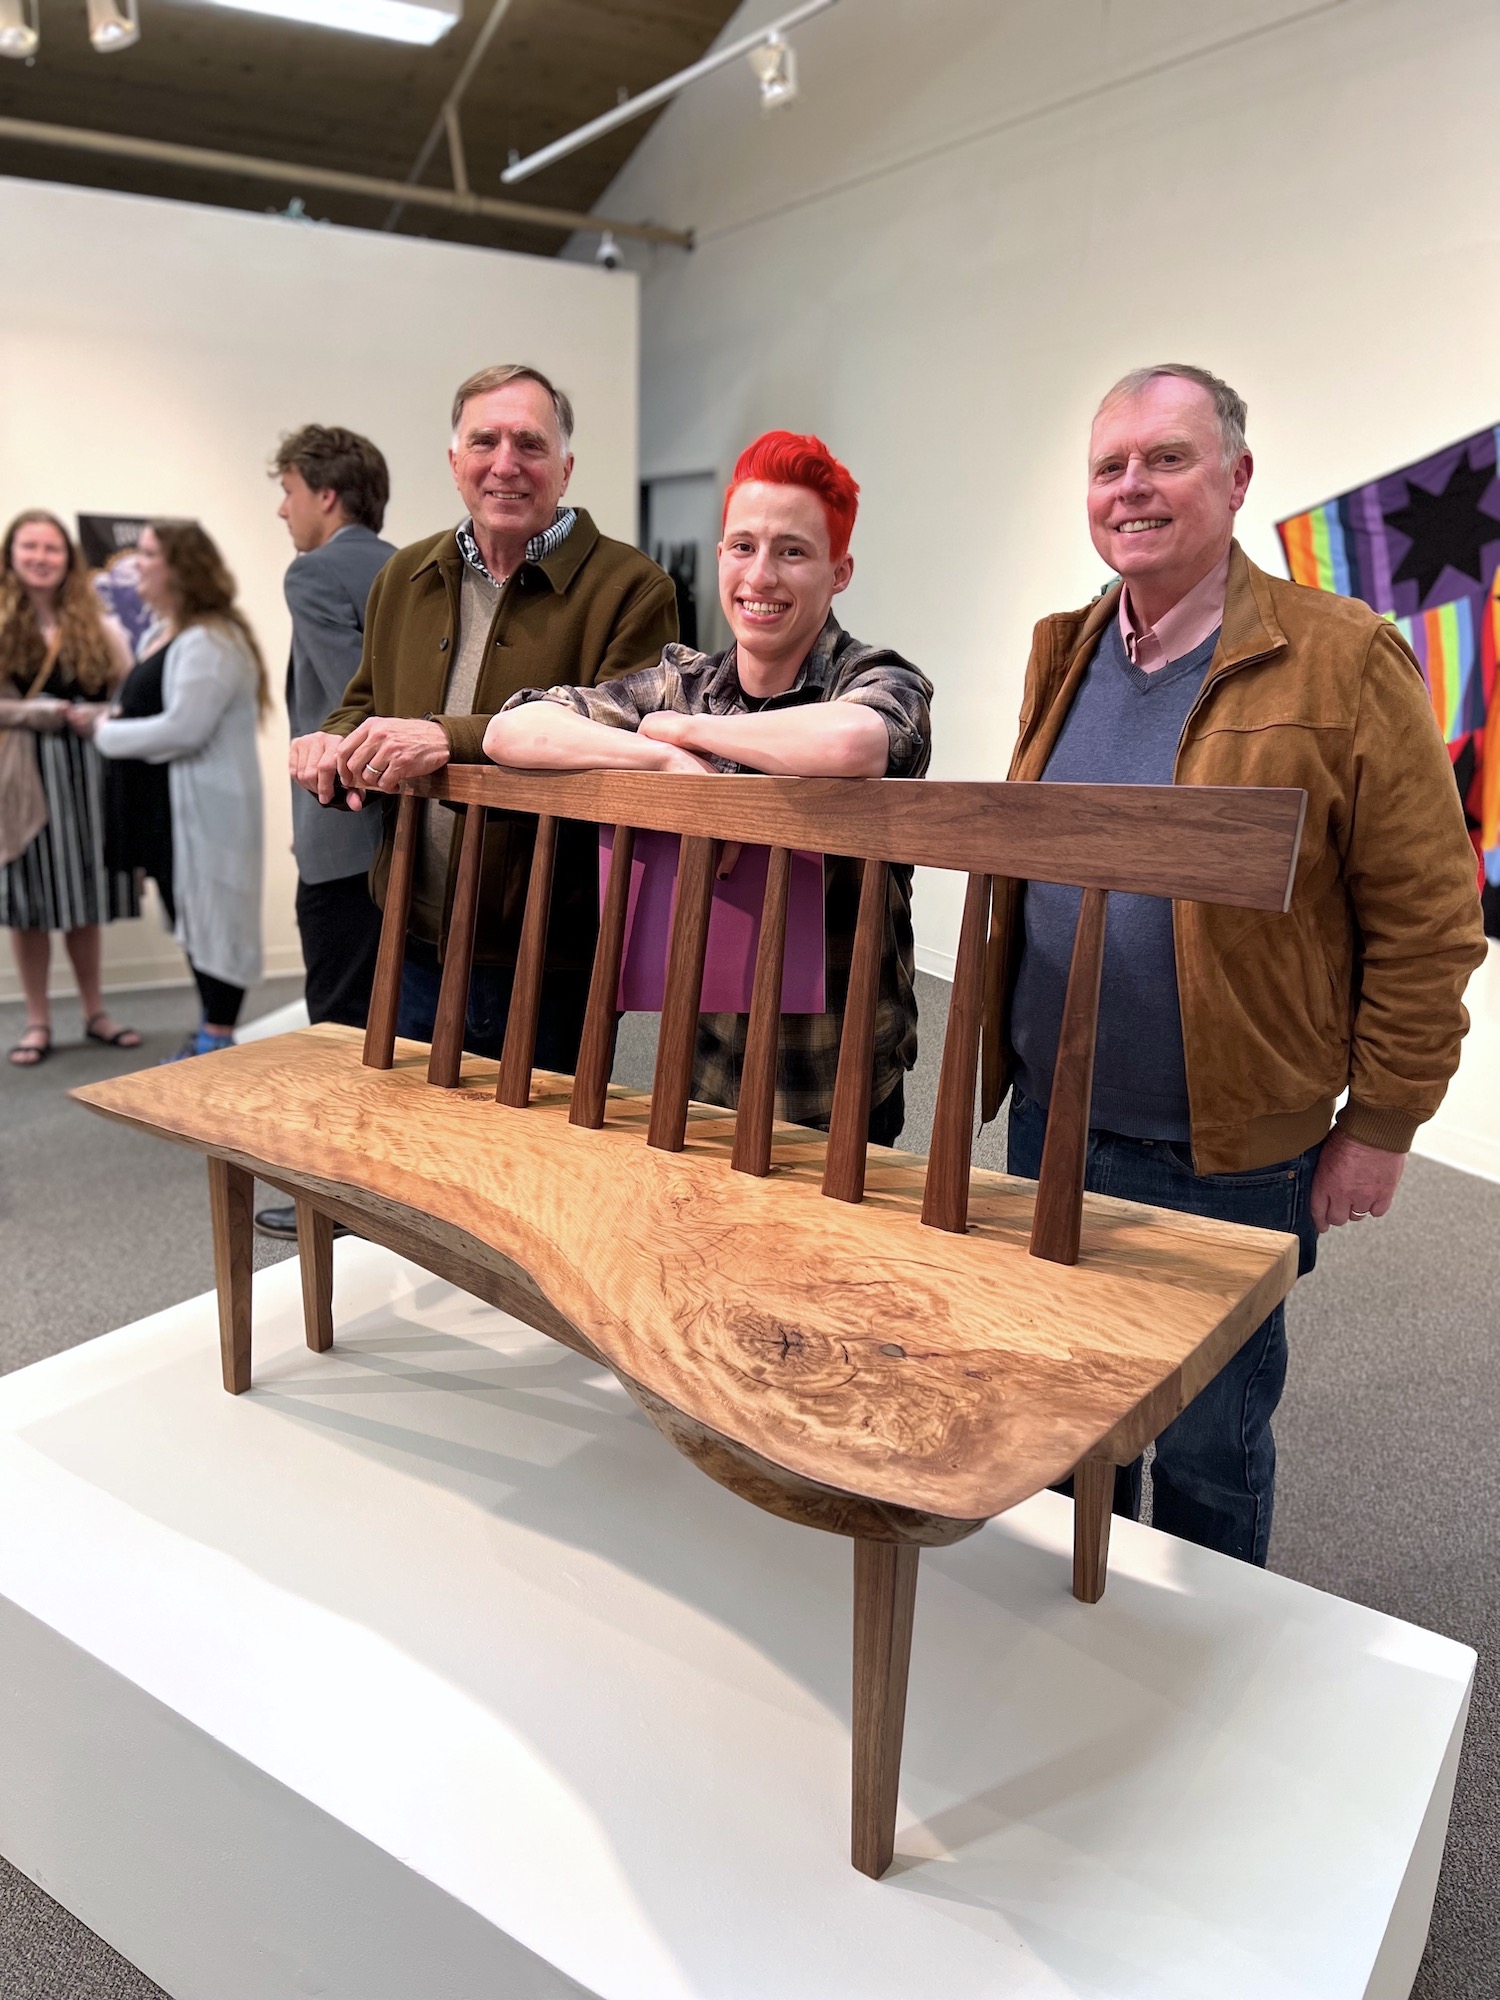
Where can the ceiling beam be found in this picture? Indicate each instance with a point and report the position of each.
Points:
(202, 159)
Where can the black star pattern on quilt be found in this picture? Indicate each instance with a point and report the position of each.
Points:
(1447, 530)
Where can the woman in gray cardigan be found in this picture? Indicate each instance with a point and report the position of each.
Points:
(213, 696)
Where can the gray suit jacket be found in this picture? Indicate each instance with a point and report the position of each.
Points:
(326, 592)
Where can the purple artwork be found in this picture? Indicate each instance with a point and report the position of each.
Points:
(733, 929)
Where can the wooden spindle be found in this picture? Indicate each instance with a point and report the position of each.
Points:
(519, 1053)
(757, 1107)
(385, 994)
(945, 1197)
(675, 1043)
(1058, 1217)
(447, 1054)
(596, 1052)
(849, 1126)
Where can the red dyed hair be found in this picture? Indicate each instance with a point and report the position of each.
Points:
(784, 458)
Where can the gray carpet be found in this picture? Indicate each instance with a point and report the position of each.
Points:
(1390, 1478)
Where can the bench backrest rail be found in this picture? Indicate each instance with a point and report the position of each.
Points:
(1219, 844)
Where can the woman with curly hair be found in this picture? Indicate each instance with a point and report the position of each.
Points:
(213, 694)
(57, 647)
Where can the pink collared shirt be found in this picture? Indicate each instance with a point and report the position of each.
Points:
(1180, 630)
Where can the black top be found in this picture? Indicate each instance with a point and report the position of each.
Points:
(137, 808)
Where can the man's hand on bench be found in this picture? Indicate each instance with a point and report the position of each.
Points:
(387, 752)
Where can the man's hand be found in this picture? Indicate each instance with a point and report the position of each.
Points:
(313, 763)
(665, 725)
(826, 739)
(1352, 1181)
(386, 752)
(674, 733)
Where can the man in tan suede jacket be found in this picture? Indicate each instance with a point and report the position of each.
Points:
(1228, 1036)
(526, 592)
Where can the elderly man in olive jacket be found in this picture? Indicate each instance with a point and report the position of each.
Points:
(525, 593)
(1227, 1037)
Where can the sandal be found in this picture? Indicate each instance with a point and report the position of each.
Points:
(27, 1054)
(122, 1038)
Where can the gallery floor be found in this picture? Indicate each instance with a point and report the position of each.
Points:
(1389, 1492)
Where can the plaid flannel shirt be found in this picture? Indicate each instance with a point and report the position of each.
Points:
(838, 668)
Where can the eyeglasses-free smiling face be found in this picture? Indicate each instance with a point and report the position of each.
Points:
(508, 461)
(39, 556)
(1161, 500)
(777, 577)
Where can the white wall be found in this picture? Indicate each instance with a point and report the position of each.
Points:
(980, 214)
(151, 353)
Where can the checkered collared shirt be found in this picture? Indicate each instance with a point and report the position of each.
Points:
(838, 668)
(537, 549)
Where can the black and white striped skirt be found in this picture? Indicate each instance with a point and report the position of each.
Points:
(61, 883)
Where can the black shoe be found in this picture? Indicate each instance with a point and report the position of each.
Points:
(282, 1222)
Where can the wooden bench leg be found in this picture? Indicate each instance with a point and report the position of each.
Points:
(1093, 1505)
(885, 1595)
(231, 1199)
(315, 1252)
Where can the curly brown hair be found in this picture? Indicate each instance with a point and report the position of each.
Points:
(84, 650)
(205, 590)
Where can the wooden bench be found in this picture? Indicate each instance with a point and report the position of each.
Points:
(856, 1339)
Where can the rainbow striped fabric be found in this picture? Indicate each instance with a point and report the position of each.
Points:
(1422, 545)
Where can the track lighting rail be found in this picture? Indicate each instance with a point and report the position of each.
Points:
(647, 100)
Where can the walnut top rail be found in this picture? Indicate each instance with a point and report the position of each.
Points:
(1196, 843)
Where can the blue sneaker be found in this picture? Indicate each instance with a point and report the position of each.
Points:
(202, 1042)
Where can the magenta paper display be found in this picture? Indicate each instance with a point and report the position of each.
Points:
(733, 929)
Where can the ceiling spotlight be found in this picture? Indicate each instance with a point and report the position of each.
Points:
(18, 29)
(113, 26)
(775, 66)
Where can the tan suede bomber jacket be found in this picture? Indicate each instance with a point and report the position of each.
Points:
(591, 610)
(1358, 986)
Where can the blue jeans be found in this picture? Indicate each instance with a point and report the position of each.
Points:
(559, 1022)
(1214, 1474)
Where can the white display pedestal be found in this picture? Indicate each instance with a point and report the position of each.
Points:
(428, 1671)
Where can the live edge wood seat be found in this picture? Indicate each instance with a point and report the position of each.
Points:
(890, 1348)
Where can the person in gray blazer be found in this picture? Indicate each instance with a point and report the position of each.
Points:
(334, 487)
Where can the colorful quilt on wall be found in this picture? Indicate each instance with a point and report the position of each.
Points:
(1422, 545)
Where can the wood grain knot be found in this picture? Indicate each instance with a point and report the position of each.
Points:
(772, 1350)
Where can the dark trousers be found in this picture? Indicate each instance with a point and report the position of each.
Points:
(340, 927)
(1213, 1479)
(221, 1002)
(559, 1023)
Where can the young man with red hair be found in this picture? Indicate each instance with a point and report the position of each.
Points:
(794, 696)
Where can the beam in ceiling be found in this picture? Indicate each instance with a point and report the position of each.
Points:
(202, 159)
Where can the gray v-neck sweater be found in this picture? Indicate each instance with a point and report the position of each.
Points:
(1123, 729)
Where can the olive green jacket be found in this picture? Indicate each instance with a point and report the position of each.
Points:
(1358, 986)
(595, 608)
